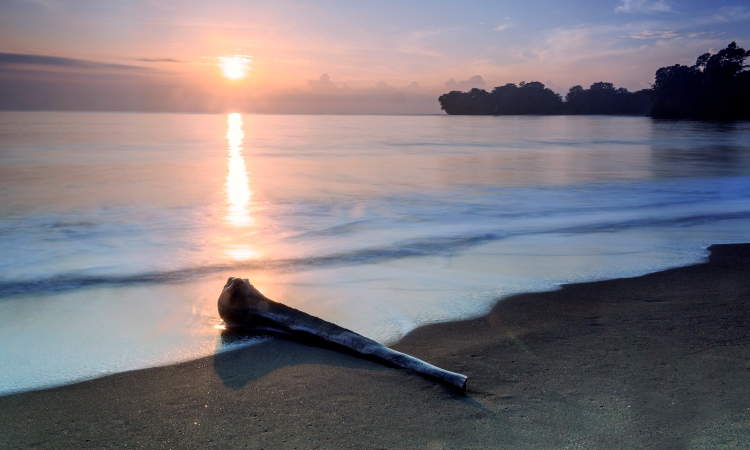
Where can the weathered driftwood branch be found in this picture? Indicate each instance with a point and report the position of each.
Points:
(241, 306)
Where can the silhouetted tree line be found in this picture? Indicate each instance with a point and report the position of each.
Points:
(534, 98)
(526, 98)
(604, 98)
(716, 87)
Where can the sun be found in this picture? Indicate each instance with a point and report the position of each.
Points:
(235, 67)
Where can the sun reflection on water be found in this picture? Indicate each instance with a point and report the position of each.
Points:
(237, 186)
(239, 211)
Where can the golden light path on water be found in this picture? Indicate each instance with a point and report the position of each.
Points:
(237, 187)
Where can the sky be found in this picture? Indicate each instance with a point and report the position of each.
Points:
(339, 56)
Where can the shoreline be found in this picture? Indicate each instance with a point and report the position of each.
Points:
(657, 361)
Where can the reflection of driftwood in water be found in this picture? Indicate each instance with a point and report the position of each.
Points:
(241, 306)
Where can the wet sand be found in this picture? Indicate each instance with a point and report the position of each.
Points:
(660, 361)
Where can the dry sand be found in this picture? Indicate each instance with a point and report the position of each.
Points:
(660, 361)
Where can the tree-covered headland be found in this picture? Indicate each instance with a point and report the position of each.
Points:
(716, 87)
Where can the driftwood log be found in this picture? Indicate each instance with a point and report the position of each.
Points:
(242, 307)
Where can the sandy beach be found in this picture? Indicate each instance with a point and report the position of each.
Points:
(660, 361)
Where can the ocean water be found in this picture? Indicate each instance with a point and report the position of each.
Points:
(118, 231)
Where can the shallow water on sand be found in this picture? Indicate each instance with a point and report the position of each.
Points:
(118, 231)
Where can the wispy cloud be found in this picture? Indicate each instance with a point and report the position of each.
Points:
(623, 54)
(54, 6)
(643, 6)
(423, 42)
(421, 34)
(159, 60)
(10, 59)
(502, 27)
(732, 14)
(656, 35)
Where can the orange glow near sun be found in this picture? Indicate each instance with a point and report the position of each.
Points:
(235, 67)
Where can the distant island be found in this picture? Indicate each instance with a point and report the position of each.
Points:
(717, 87)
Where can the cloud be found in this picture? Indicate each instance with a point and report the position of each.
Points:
(643, 6)
(18, 59)
(502, 27)
(623, 54)
(382, 85)
(426, 42)
(359, 101)
(656, 35)
(323, 83)
(329, 97)
(732, 14)
(474, 82)
(325, 86)
(158, 60)
(53, 6)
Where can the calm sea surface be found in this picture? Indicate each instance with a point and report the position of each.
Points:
(118, 231)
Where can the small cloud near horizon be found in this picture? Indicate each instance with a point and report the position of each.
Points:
(643, 6)
(323, 83)
(383, 85)
(464, 85)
